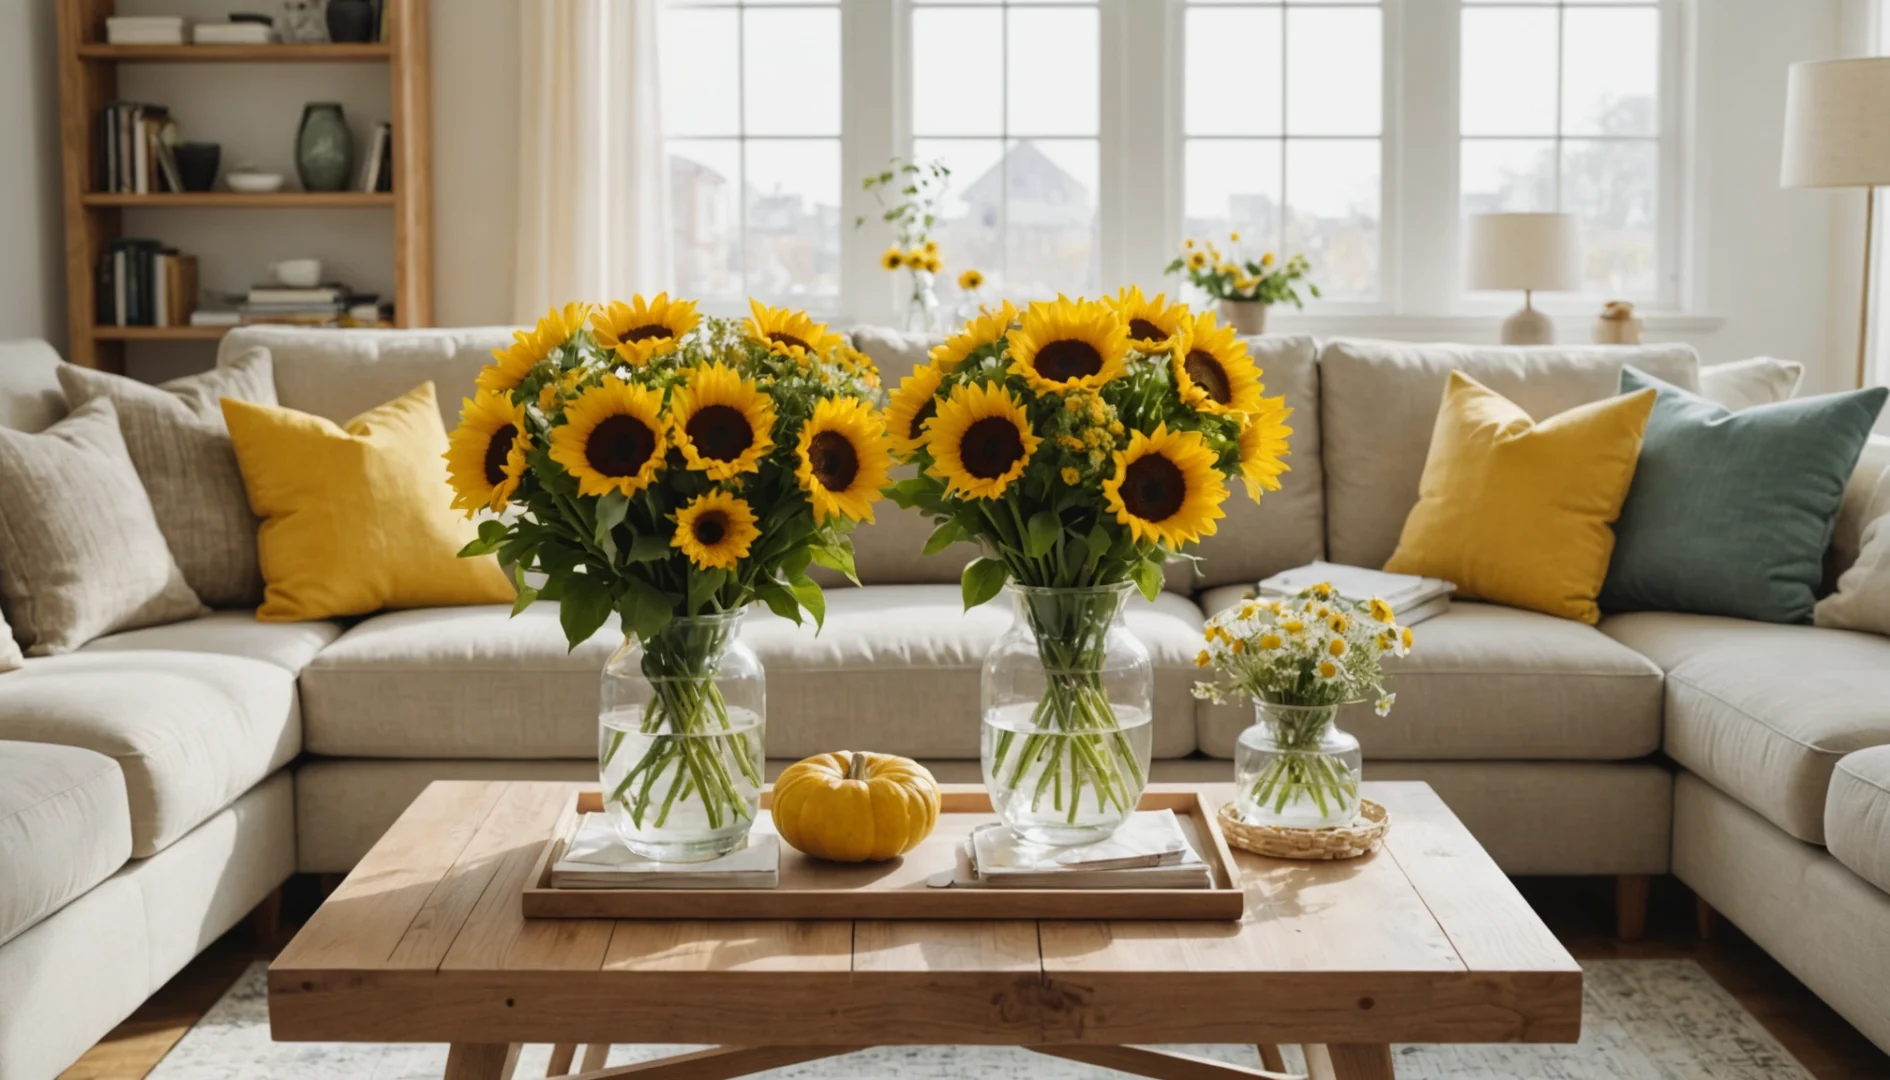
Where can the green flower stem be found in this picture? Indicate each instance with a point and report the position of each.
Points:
(687, 706)
(1300, 770)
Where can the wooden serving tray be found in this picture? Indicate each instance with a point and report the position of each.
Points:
(813, 889)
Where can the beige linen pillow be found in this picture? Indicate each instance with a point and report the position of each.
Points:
(1862, 600)
(181, 449)
(80, 550)
(1759, 380)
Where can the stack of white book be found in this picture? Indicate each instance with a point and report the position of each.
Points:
(1413, 598)
(146, 29)
(596, 859)
(1150, 851)
(234, 33)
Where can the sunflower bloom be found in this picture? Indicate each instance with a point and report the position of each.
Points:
(1213, 370)
(643, 330)
(722, 423)
(1068, 345)
(912, 407)
(1152, 325)
(971, 281)
(715, 530)
(612, 438)
(1166, 488)
(529, 348)
(790, 333)
(980, 441)
(982, 332)
(891, 259)
(1262, 446)
(485, 458)
(843, 460)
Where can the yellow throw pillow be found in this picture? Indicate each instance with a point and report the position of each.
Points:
(1519, 512)
(357, 519)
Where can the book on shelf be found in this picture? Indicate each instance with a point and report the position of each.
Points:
(1413, 599)
(146, 29)
(233, 33)
(144, 283)
(375, 166)
(287, 294)
(136, 152)
(217, 316)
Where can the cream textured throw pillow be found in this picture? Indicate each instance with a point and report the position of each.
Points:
(1862, 600)
(1761, 380)
(80, 550)
(181, 449)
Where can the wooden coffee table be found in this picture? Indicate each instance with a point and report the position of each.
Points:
(1424, 941)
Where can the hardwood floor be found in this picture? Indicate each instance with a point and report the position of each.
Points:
(1579, 910)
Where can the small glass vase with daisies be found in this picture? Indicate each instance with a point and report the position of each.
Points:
(669, 470)
(908, 193)
(1299, 660)
(1083, 459)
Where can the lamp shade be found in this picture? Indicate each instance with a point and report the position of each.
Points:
(1524, 251)
(1837, 124)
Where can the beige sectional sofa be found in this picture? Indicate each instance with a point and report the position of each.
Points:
(159, 782)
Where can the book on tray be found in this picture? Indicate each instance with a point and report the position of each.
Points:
(1413, 598)
(596, 859)
(1150, 851)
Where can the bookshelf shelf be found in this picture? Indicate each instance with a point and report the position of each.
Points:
(236, 54)
(273, 200)
(159, 333)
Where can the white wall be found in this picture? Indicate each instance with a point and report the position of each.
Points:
(32, 267)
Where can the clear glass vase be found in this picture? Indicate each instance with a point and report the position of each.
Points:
(680, 735)
(922, 307)
(1294, 768)
(1068, 696)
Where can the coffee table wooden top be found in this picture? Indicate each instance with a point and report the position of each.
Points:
(1423, 941)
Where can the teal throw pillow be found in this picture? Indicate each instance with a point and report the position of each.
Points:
(1730, 513)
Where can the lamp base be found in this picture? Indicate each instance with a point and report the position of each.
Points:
(1528, 327)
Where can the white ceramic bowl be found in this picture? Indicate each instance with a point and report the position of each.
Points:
(254, 182)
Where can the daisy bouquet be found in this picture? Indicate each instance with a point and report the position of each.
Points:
(1300, 659)
(908, 193)
(1083, 444)
(1235, 277)
(670, 468)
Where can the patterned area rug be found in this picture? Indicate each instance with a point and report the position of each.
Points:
(1642, 1020)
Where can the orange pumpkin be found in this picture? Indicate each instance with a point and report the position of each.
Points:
(853, 806)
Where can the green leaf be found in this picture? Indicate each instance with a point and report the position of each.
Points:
(645, 609)
(585, 606)
(1148, 578)
(492, 530)
(476, 548)
(1098, 541)
(808, 593)
(611, 508)
(526, 594)
(649, 548)
(795, 563)
(779, 600)
(943, 537)
(1042, 534)
(836, 557)
(703, 585)
(982, 580)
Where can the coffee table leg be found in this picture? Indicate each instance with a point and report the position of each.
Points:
(481, 1061)
(560, 1063)
(1349, 1061)
(1271, 1059)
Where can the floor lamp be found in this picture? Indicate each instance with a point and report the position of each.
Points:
(1837, 134)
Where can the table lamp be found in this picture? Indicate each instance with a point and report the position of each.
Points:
(1837, 135)
(1527, 252)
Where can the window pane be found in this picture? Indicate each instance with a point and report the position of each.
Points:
(1050, 218)
(1508, 176)
(693, 105)
(971, 214)
(1233, 185)
(1333, 71)
(1244, 40)
(1615, 189)
(1052, 72)
(1509, 65)
(702, 187)
(1332, 213)
(957, 73)
(1611, 72)
(790, 72)
(793, 239)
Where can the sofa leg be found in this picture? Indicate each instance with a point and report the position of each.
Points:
(1630, 905)
(1705, 919)
(328, 883)
(265, 919)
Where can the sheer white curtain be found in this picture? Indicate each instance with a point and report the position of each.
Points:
(593, 203)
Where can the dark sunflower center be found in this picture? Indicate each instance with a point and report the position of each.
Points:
(789, 340)
(710, 527)
(834, 461)
(1143, 330)
(720, 432)
(1061, 361)
(497, 451)
(1153, 488)
(990, 447)
(645, 333)
(925, 413)
(620, 446)
(1209, 375)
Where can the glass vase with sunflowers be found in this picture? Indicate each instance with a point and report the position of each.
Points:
(1298, 660)
(670, 469)
(908, 193)
(1084, 444)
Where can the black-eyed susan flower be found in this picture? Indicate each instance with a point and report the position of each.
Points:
(1166, 487)
(1067, 345)
(612, 438)
(842, 459)
(930, 247)
(915, 259)
(715, 530)
(722, 423)
(641, 330)
(1152, 325)
(891, 259)
(980, 441)
(790, 333)
(985, 330)
(933, 264)
(485, 458)
(971, 281)
(1263, 446)
(1197, 260)
(529, 348)
(1213, 370)
(913, 406)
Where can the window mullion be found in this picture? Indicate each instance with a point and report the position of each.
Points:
(875, 50)
(1422, 118)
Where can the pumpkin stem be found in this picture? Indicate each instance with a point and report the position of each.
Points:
(856, 765)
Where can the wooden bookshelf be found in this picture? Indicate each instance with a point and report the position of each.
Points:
(88, 79)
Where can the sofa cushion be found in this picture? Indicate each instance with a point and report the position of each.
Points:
(896, 668)
(1762, 711)
(65, 826)
(191, 731)
(30, 397)
(229, 633)
(339, 374)
(1485, 682)
(1857, 814)
(1378, 403)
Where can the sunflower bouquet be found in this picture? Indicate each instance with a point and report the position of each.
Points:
(1084, 444)
(1264, 280)
(671, 468)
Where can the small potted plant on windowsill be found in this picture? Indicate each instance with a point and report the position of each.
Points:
(1244, 287)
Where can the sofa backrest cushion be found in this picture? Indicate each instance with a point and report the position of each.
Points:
(1379, 401)
(340, 374)
(30, 397)
(1854, 512)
